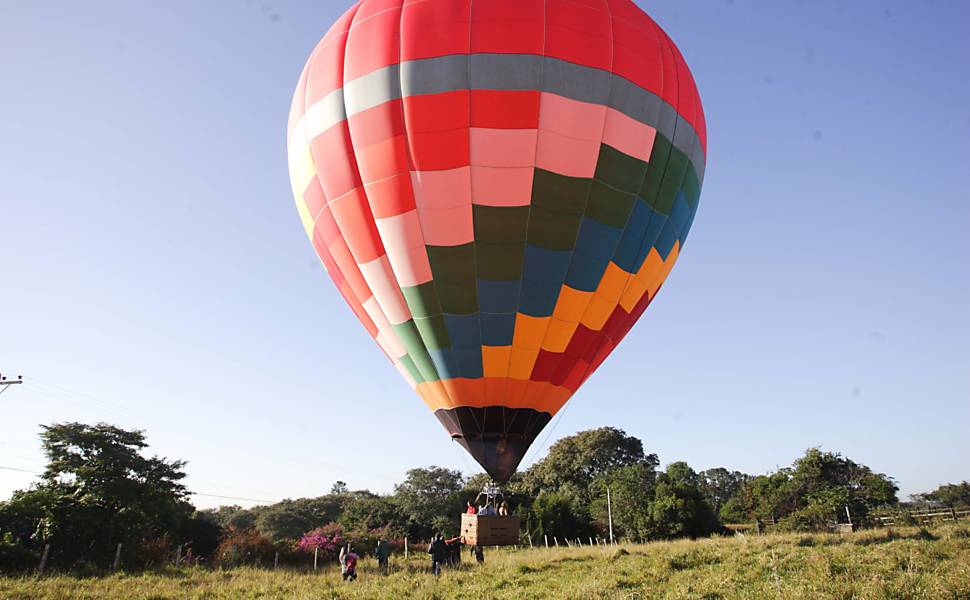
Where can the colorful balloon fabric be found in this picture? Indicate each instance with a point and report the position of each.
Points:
(498, 189)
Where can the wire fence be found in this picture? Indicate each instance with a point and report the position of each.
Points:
(406, 553)
(845, 521)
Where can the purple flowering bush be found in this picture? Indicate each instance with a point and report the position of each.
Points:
(326, 539)
(329, 538)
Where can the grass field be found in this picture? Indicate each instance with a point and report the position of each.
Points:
(899, 563)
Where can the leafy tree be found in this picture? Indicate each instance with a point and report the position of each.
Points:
(558, 515)
(679, 507)
(762, 497)
(950, 494)
(431, 500)
(812, 493)
(233, 516)
(201, 534)
(632, 489)
(290, 519)
(97, 490)
(369, 511)
(720, 485)
(15, 556)
(823, 481)
(574, 462)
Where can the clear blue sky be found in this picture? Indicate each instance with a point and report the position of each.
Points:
(154, 272)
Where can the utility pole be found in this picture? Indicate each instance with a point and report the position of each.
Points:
(609, 512)
(6, 383)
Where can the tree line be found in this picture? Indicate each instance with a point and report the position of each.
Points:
(100, 490)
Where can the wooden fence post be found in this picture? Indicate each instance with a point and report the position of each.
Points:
(276, 561)
(591, 541)
(43, 559)
(529, 535)
(117, 557)
(953, 513)
(546, 537)
(178, 557)
(315, 552)
(568, 545)
(555, 541)
(405, 548)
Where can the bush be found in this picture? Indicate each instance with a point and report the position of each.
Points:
(152, 553)
(326, 541)
(15, 557)
(244, 547)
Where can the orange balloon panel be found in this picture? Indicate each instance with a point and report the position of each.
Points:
(498, 189)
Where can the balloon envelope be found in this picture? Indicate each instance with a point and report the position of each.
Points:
(498, 190)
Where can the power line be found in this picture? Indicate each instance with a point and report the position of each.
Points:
(6, 383)
(20, 470)
(234, 498)
(74, 396)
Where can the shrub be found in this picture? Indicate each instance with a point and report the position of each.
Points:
(325, 540)
(16, 558)
(244, 547)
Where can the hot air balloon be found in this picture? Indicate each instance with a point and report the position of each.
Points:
(498, 188)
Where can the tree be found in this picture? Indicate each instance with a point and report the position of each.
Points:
(632, 489)
(720, 485)
(812, 493)
(950, 494)
(201, 534)
(290, 519)
(558, 515)
(98, 490)
(574, 462)
(369, 511)
(679, 507)
(430, 500)
(234, 516)
(823, 484)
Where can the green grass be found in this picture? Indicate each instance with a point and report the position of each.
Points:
(901, 563)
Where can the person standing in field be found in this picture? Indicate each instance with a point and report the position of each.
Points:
(439, 554)
(454, 551)
(383, 554)
(479, 553)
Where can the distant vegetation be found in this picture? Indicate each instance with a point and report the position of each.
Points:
(99, 490)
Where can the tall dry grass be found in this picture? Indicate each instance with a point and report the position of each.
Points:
(900, 563)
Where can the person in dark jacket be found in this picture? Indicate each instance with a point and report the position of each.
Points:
(383, 553)
(439, 554)
(454, 551)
